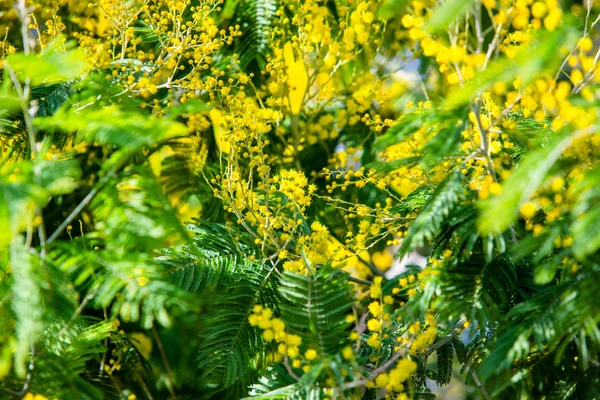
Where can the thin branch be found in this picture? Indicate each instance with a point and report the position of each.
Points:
(371, 266)
(29, 376)
(289, 369)
(384, 367)
(86, 200)
(105, 354)
(143, 384)
(80, 309)
(484, 392)
(358, 280)
(165, 362)
(446, 338)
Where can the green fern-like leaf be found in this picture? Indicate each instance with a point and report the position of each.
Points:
(255, 18)
(445, 355)
(553, 316)
(315, 307)
(434, 211)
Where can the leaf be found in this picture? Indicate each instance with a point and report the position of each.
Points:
(444, 128)
(17, 197)
(543, 322)
(522, 65)
(26, 303)
(383, 166)
(111, 125)
(315, 307)
(256, 19)
(406, 126)
(431, 216)
(444, 14)
(391, 8)
(444, 142)
(53, 65)
(8, 97)
(483, 291)
(58, 177)
(499, 212)
(444, 363)
(585, 228)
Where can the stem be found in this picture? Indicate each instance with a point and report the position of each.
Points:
(484, 146)
(165, 362)
(144, 386)
(104, 355)
(374, 373)
(289, 369)
(29, 376)
(446, 338)
(79, 310)
(484, 392)
(86, 200)
(350, 278)
(371, 266)
(23, 13)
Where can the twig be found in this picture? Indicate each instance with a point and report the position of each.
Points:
(165, 362)
(446, 338)
(73, 214)
(371, 266)
(484, 392)
(143, 384)
(358, 280)
(104, 355)
(23, 12)
(289, 369)
(29, 376)
(374, 373)
(79, 310)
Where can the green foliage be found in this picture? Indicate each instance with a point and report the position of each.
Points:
(522, 65)
(255, 18)
(108, 290)
(54, 65)
(447, 13)
(523, 183)
(434, 210)
(315, 307)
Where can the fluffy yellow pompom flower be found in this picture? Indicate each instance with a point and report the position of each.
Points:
(310, 354)
(528, 210)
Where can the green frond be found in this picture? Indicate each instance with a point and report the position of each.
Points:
(585, 227)
(548, 321)
(51, 97)
(227, 352)
(499, 212)
(27, 301)
(315, 306)
(433, 213)
(255, 18)
(276, 383)
(482, 290)
(445, 355)
(220, 270)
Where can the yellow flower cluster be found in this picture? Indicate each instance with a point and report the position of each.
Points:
(393, 380)
(31, 396)
(294, 185)
(423, 336)
(317, 249)
(288, 345)
(377, 311)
